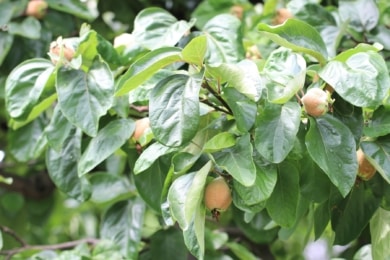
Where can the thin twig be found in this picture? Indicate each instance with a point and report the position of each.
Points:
(140, 109)
(205, 101)
(14, 235)
(215, 94)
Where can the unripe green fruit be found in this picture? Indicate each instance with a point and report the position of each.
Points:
(316, 102)
(217, 196)
(36, 8)
(366, 170)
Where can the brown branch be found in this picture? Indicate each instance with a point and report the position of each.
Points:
(14, 235)
(216, 95)
(140, 109)
(60, 246)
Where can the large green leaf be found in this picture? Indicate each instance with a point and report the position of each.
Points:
(155, 28)
(223, 39)
(363, 79)
(168, 244)
(62, 167)
(30, 27)
(186, 195)
(195, 51)
(85, 97)
(219, 142)
(107, 187)
(58, 129)
(237, 160)
(73, 7)
(6, 41)
(379, 125)
(378, 153)
(332, 146)
(283, 203)
(351, 215)
(24, 86)
(122, 223)
(284, 74)
(194, 234)
(150, 155)
(321, 218)
(362, 15)
(297, 36)
(380, 234)
(284, 121)
(146, 67)
(107, 141)
(174, 109)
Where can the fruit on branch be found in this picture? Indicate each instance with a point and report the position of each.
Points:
(217, 196)
(36, 8)
(237, 11)
(365, 170)
(316, 102)
(61, 48)
(140, 127)
(281, 16)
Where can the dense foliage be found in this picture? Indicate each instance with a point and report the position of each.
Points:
(220, 93)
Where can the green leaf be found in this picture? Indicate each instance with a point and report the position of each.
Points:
(58, 129)
(150, 155)
(85, 97)
(155, 27)
(284, 74)
(223, 39)
(107, 187)
(379, 125)
(106, 142)
(283, 203)
(62, 167)
(6, 11)
(332, 146)
(1, 240)
(284, 121)
(380, 234)
(168, 244)
(220, 141)
(24, 86)
(73, 7)
(243, 76)
(122, 223)
(6, 41)
(261, 190)
(28, 142)
(238, 161)
(195, 51)
(297, 36)
(321, 218)
(362, 80)
(377, 153)
(174, 109)
(194, 234)
(146, 67)
(351, 215)
(30, 28)
(362, 15)
(241, 251)
(186, 195)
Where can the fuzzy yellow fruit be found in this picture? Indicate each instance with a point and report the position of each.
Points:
(140, 127)
(217, 195)
(365, 171)
(315, 102)
(36, 8)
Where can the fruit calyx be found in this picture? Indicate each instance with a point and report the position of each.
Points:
(316, 102)
(61, 50)
(217, 196)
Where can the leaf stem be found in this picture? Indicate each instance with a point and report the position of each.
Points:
(216, 95)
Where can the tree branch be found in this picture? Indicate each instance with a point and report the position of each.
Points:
(14, 235)
(217, 96)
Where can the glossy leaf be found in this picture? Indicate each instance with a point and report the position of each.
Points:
(62, 167)
(107, 187)
(283, 203)
(243, 76)
(284, 75)
(145, 67)
(219, 142)
(25, 85)
(58, 129)
(362, 15)
(106, 142)
(73, 7)
(195, 51)
(150, 155)
(349, 217)
(223, 39)
(194, 235)
(297, 36)
(174, 109)
(362, 80)
(332, 146)
(30, 27)
(377, 153)
(284, 121)
(168, 244)
(122, 223)
(379, 125)
(238, 161)
(6, 41)
(321, 219)
(241, 251)
(380, 234)
(155, 28)
(85, 97)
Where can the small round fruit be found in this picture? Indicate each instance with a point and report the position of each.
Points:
(217, 195)
(282, 15)
(316, 102)
(366, 170)
(55, 51)
(237, 11)
(140, 127)
(36, 8)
